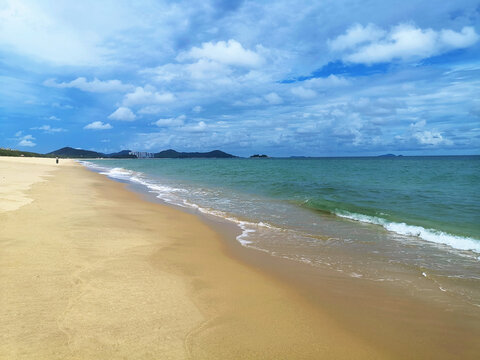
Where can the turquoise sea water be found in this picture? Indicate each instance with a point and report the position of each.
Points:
(356, 215)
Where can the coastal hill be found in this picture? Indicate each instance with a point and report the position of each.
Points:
(128, 154)
(75, 153)
(11, 152)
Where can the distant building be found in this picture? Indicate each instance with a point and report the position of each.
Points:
(142, 154)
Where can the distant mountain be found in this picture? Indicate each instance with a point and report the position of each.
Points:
(80, 153)
(76, 153)
(125, 154)
(172, 154)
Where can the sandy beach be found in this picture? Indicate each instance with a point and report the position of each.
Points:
(91, 270)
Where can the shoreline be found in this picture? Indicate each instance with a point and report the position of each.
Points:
(360, 304)
(106, 263)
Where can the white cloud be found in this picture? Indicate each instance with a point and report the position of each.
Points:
(122, 114)
(199, 127)
(355, 35)
(27, 143)
(95, 85)
(431, 138)
(177, 121)
(48, 129)
(369, 45)
(273, 98)
(329, 81)
(27, 28)
(54, 118)
(205, 69)
(427, 137)
(98, 125)
(458, 40)
(197, 109)
(25, 140)
(229, 53)
(147, 95)
(303, 93)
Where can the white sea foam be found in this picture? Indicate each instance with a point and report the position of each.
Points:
(247, 227)
(173, 196)
(431, 235)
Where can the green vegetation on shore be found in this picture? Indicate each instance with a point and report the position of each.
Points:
(9, 152)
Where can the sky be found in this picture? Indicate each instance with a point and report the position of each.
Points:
(311, 78)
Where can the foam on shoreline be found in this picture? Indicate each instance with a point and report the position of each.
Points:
(176, 196)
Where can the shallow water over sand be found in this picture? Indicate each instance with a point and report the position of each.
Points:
(386, 220)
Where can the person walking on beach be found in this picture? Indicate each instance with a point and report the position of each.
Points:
(56, 159)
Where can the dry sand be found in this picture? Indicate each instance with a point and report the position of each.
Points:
(89, 270)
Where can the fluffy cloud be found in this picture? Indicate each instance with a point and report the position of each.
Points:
(205, 69)
(431, 138)
(147, 95)
(369, 45)
(25, 140)
(356, 35)
(95, 85)
(98, 125)
(177, 121)
(122, 114)
(427, 137)
(183, 50)
(229, 53)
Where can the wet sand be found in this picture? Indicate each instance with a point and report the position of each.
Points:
(91, 270)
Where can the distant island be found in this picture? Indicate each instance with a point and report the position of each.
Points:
(172, 154)
(259, 156)
(389, 155)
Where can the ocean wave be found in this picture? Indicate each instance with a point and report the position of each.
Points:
(431, 235)
(247, 227)
(172, 195)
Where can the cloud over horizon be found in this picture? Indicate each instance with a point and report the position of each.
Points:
(276, 77)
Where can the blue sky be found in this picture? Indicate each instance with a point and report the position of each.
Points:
(320, 78)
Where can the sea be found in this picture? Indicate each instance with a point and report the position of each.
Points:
(384, 219)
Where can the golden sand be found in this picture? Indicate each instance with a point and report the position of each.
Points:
(89, 270)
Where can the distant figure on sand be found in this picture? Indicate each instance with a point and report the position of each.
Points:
(56, 160)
